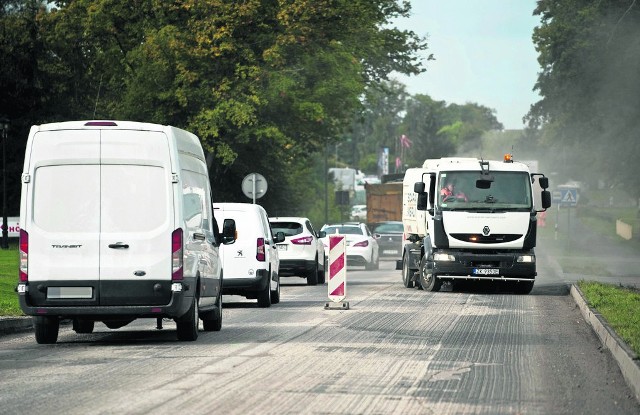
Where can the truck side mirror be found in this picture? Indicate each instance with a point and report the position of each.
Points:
(546, 199)
(229, 231)
(418, 187)
(322, 234)
(423, 199)
(544, 182)
(279, 237)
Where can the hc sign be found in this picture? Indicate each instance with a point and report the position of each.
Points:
(14, 227)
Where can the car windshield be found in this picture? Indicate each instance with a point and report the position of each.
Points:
(508, 190)
(344, 230)
(389, 227)
(288, 228)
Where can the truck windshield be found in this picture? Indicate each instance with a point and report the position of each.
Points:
(458, 190)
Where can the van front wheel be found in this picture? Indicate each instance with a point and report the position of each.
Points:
(46, 329)
(187, 325)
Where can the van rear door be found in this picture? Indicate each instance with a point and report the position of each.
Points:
(63, 216)
(136, 218)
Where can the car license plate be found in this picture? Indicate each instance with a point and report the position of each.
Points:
(390, 252)
(282, 247)
(486, 271)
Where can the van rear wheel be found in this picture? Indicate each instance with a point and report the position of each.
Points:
(264, 296)
(187, 325)
(212, 320)
(46, 329)
(82, 326)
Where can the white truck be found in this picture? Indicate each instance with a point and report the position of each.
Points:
(468, 219)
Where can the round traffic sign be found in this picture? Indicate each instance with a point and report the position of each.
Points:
(254, 186)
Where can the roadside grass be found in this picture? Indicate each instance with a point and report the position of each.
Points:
(9, 305)
(619, 306)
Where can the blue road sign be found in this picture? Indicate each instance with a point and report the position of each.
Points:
(568, 197)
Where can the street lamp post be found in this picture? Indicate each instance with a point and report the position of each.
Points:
(4, 124)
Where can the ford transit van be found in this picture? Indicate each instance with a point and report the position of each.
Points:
(116, 224)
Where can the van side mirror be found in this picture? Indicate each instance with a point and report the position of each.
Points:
(546, 199)
(322, 234)
(229, 235)
(279, 237)
(418, 187)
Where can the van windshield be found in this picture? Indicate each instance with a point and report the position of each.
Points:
(459, 190)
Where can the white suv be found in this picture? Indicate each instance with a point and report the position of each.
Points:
(362, 248)
(301, 253)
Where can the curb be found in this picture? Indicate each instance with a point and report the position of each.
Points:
(627, 360)
(15, 324)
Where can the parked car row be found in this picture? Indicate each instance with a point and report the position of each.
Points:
(117, 223)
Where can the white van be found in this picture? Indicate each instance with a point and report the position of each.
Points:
(251, 264)
(116, 224)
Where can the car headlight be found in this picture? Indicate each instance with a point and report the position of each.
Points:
(526, 258)
(439, 256)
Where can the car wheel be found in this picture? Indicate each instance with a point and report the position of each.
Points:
(46, 329)
(264, 296)
(407, 278)
(82, 326)
(312, 276)
(187, 325)
(322, 274)
(275, 295)
(428, 280)
(212, 320)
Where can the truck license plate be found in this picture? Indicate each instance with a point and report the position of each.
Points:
(486, 271)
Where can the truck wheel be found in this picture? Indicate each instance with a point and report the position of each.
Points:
(82, 326)
(428, 281)
(46, 329)
(212, 320)
(187, 325)
(407, 279)
(312, 276)
(522, 287)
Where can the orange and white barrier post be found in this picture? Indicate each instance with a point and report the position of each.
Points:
(337, 285)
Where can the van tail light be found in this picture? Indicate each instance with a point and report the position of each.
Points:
(303, 241)
(24, 256)
(260, 253)
(362, 244)
(176, 256)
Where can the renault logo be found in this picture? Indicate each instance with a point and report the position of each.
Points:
(486, 231)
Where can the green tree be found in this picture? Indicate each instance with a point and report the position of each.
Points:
(590, 107)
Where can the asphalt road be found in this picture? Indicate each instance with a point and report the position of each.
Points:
(395, 351)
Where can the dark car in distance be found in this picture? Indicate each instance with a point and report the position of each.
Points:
(389, 237)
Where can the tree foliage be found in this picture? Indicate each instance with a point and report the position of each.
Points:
(589, 52)
(265, 84)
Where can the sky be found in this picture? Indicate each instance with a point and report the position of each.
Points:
(483, 54)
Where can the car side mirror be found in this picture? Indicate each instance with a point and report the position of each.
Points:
(229, 233)
(322, 234)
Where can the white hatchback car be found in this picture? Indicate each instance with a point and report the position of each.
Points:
(362, 248)
(302, 252)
